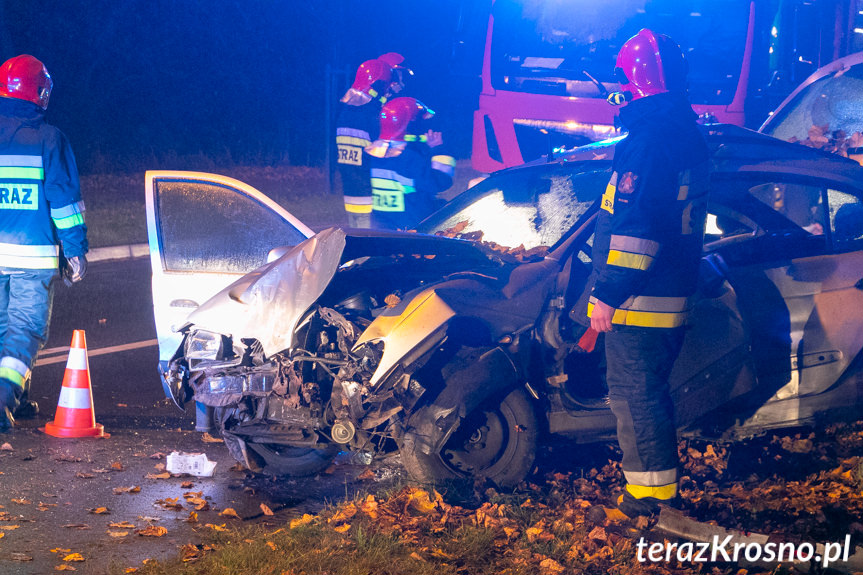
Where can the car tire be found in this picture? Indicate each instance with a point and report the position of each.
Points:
(294, 461)
(496, 442)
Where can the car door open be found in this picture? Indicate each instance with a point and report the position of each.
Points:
(205, 231)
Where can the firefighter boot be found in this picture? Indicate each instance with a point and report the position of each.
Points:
(9, 393)
(646, 506)
(27, 408)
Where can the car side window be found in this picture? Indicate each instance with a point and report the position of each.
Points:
(210, 227)
(846, 219)
(799, 203)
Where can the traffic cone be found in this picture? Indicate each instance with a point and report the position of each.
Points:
(75, 417)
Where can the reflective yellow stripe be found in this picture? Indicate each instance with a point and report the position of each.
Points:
(12, 375)
(608, 196)
(352, 141)
(29, 263)
(22, 173)
(634, 245)
(661, 492)
(29, 251)
(69, 221)
(448, 160)
(636, 318)
(627, 260)
(358, 208)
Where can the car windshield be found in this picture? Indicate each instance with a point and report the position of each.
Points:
(835, 101)
(530, 207)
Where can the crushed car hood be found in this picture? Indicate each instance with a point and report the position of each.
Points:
(268, 303)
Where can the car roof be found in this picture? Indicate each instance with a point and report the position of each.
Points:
(735, 149)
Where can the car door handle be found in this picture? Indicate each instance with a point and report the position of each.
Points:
(184, 303)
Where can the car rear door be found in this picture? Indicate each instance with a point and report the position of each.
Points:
(205, 231)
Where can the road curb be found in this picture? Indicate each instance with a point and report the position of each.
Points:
(118, 252)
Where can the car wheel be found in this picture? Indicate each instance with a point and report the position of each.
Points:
(496, 442)
(296, 461)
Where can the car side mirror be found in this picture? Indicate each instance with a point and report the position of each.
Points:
(278, 252)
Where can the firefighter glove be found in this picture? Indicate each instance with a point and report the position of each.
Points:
(74, 270)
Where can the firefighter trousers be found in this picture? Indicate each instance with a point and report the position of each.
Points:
(25, 312)
(639, 364)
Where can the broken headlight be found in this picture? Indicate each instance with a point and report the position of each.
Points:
(205, 345)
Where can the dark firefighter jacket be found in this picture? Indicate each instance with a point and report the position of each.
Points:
(405, 178)
(650, 227)
(356, 128)
(40, 197)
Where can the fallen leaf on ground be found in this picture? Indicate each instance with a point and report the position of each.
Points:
(367, 474)
(64, 567)
(60, 550)
(158, 455)
(342, 528)
(221, 527)
(117, 466)
(122, 525)
(7, 447)
(159, 467)
(73, 557)
(207, 438)
(131, 570)
(299, 521)
(165, 475)
(8, 527)
(190, 552)
(99, 511)
(229, 512)
(169, 503)
(117, 533)
(84, 475)
(21, 501)
(152, 531)
(81, 526)
(187, 485)
(20, 557)
(121, 490)
(192, 518)
(267, 511)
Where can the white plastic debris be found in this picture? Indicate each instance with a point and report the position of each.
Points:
(191, 463)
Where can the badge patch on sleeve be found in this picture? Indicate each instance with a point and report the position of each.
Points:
(626, 183)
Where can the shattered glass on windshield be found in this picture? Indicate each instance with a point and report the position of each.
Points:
(835, 101)
(527, 207)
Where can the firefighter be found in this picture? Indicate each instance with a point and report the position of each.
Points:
(358, 125)
(409, 166)
(41, 225)
(647, 251)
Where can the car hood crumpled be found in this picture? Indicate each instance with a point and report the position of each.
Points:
(268, 303)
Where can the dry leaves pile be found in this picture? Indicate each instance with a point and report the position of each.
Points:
(838, 141)
(799, 487)
(519, 253)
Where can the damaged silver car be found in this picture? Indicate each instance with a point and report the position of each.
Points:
(454, 346)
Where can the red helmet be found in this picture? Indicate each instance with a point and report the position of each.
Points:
(397, 116)
(650, 64)
(25, 78)
(379, 77)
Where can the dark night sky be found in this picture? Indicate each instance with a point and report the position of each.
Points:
(141, 83)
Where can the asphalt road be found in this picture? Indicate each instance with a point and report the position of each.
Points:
(50, 487)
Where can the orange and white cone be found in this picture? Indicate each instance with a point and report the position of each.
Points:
(75, 416)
